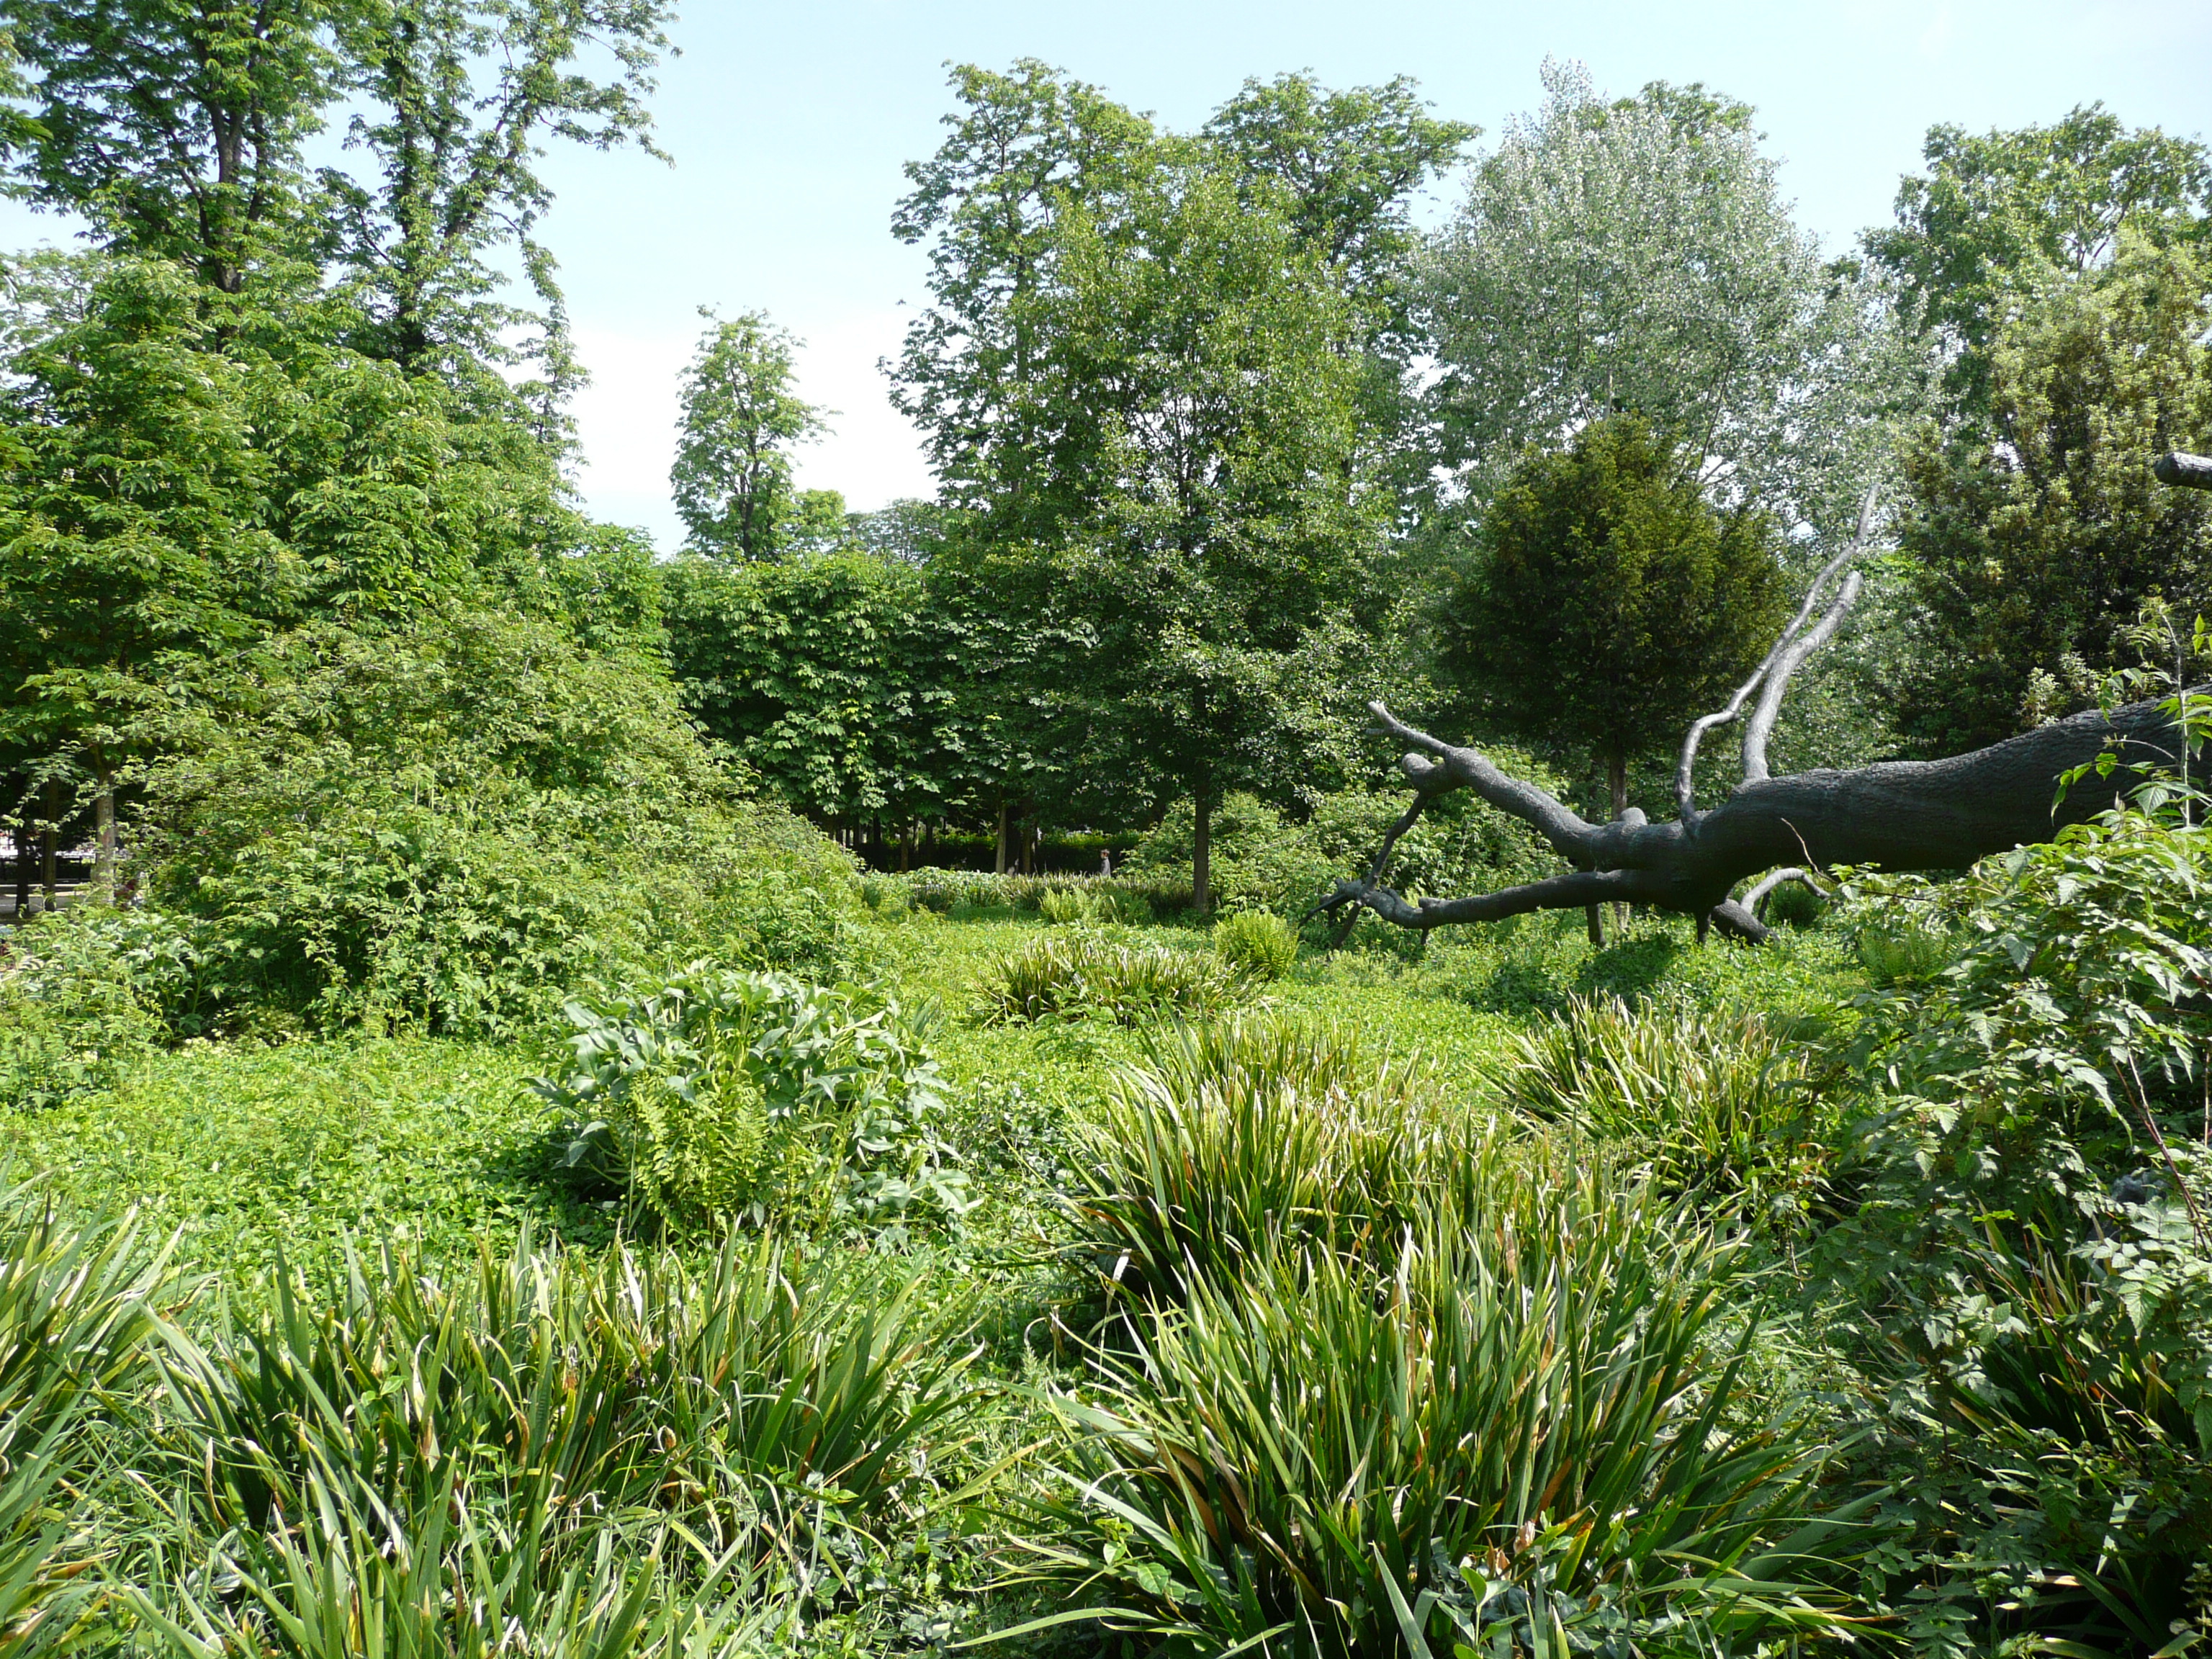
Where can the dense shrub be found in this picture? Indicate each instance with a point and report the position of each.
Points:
(2029, 1239)
(83, 992)
(1066, 975)
(1258, 944)
(1532, 1414)
(443, 825)
(728, 1095)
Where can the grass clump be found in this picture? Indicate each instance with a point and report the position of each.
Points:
(1250, 1133)
(1717, 1102)
(1257, 943)
(1531, 1416)
(1068, 975)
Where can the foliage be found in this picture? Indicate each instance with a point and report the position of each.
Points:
(1183, 455)
(1997, 212)
(1256, 944)
(2028, 1231)
(1067, 976)
(2037, 534)
(1638, 256)
(1135, 897)
(737, 1095)
(731, 477)
(390, 841)
(837, 676)
(1063, 906)
(559, 1401)
(1238, 1136)
(1608, 603)
(1337, 1460)
(84, 994)
(1717, 1104)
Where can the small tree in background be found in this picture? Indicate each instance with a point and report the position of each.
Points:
(1608, 604)
(741, 421)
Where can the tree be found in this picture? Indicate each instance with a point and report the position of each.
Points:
(2036, 533)
(1996, 213)
(1608, 602)
(741, 418)
(175, 130)
(1026, 147)
(130, 536)
(1638, 256)
(461, 95)
(1199, 412)
(1900, 815)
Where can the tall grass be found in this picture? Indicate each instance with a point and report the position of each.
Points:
(1718, 1103)
(1252, 1131)
(1536, 1395)
(1069, 975)
(741, 1397)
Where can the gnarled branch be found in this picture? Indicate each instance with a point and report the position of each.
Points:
(2188, 471)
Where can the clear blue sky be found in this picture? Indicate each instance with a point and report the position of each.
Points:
(789, 123)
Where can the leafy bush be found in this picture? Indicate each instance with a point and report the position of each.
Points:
(1067, 976)
(1793, 905)
(1897, 951)
(1717, 1102)
(2029, 1238)
(1258, 944)
(1262, 860)
(1538, 1396)
(727, 1094)
(441, 825)
(1251, 1131)
(1062, 905)
(84, 992)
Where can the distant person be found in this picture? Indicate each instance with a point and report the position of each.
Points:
(1106, 863)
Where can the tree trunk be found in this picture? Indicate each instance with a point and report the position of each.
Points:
(103, 819)
(1202, 854)
(1616, 782)
(1897, 815)
(1006, 839)
(24, 860)
(52, 848)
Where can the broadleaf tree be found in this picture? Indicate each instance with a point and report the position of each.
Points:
(742, 417)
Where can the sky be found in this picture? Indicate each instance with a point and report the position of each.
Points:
(789, 124)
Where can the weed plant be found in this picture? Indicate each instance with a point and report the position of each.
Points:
(725, 1094)
(1249, 1134)
(1257, 943)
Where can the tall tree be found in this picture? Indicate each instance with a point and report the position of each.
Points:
(2036, 532)
(741, 419)
(1199, 408)
(131, 545)
(1608, 603)
(461, 96)
(1023, 146)
(1997, 212)
(1637, 255)
(174, 130)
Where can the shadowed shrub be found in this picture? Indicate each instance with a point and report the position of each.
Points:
(1067, 976)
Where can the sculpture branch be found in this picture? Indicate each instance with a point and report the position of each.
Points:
(1761, 725)
(2188, 471)
(1686, 767)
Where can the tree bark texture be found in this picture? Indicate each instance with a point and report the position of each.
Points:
(1202, 853)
